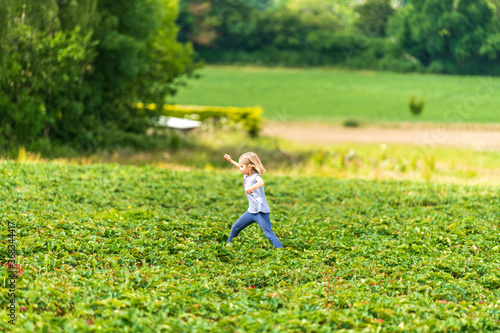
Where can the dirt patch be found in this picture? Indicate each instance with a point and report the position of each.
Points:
(480, 137)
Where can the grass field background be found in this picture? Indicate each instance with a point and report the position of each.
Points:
(335, 95)
(108, 248)
(369, 161)
(204, 149)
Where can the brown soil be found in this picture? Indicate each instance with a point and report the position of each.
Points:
(481, 137)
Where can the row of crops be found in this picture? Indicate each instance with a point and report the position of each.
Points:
(108, 248)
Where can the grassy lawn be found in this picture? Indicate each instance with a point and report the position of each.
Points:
(335, 95)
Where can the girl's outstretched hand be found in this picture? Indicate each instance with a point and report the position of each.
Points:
(228, 158)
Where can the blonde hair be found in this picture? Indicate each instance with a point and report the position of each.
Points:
(253, 160)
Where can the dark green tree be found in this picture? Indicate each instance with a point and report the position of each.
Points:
(46, 50)
(373, 17)
(222, 24)
(71, 69)
(446, 35)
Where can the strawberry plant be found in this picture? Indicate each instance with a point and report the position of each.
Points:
(138, 249)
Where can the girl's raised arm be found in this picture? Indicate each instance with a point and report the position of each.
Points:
(230, 160)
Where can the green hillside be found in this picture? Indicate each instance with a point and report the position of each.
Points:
(334, 94)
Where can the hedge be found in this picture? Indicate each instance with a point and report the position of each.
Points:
(249, 117)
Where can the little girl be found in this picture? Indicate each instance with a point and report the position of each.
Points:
(258, 210)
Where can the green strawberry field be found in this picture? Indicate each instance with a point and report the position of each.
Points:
(109, 248)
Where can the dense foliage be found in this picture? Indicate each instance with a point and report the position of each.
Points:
(373, 17)
(129, 249)
(71, 69)
(449, 36)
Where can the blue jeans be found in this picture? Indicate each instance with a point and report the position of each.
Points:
(262, 219)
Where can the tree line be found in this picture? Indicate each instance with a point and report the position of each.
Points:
(438, 36)
(70, 70)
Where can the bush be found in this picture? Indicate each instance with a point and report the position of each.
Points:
(351, 122)
(249, 117)
(345, 49)
(416, 107)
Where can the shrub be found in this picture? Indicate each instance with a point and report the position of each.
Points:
(416, 107)
(351, 122)
(249, 117)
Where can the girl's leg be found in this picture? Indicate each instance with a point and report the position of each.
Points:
(244, 221)
(265, 223)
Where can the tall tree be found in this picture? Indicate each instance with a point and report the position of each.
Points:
(443, 34)
(45, 53)
(71, 69)
(373, 17)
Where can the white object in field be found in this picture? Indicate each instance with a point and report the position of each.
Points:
(178, 123)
